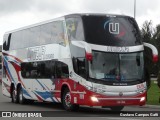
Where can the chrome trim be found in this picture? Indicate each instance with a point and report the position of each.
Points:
(77, 92)
(118, 98)
(104, 48)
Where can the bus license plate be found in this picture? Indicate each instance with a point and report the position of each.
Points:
(121, 102)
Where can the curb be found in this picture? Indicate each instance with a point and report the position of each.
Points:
(147, 106)
(152, 106)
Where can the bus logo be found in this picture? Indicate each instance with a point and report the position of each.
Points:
(114, 28)
(120, 94)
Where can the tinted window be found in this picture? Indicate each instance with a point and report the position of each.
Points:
(111, 31)
(79, 65)
(75, 28)
(117, 67)
(44, 69)
(62, 70)
(6, 41)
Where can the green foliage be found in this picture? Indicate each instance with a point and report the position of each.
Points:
(153, 94)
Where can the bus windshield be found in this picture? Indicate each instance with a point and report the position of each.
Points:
(116, 67)
(111, 31)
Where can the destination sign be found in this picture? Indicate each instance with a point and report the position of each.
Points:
(117, 49)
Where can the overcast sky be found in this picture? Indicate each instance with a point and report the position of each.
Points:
(19, 13)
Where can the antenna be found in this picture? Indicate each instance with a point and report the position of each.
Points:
(134, 9)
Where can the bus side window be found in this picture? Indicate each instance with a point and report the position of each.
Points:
(62, 70)
(40, 70)
(79, 66)
(58, 31)
(7, 39)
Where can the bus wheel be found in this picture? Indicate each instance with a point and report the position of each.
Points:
(116, 108)
(22, 100)
(66, 101)
(14, 96)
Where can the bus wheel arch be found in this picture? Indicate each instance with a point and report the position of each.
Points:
(62, 90)
(66, 94)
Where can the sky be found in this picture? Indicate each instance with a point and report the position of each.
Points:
(18, 13)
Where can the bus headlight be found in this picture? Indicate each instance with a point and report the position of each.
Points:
(94, 99)
(142, 99)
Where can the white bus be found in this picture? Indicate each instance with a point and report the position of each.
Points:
(78, 59)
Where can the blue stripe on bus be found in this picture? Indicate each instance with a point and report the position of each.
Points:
(41, 84)
(45, 95)
(25, 92)
(7, 68)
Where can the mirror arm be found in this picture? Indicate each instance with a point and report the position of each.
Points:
(154, 51)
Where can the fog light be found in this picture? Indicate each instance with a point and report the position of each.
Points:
(142, 99)
(94, 99)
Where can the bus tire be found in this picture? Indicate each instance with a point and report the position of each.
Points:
(22, 100)
(116, 108)
(14, 97)
(66, 99)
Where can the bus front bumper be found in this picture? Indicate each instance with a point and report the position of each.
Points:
(102, 100)
(117, 101)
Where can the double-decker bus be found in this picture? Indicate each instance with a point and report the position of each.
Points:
(77, 59)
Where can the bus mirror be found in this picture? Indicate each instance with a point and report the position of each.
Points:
(154, 52)
(89, 56)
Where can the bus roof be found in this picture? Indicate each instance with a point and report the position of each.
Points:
(63, 17)
(36, 24)
(95, 14)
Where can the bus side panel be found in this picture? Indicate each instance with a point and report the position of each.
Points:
(82, 96)
(43, 90)
(11, 74)
(6, 77)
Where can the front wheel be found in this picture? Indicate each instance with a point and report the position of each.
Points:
(116, 108)
(66, 101)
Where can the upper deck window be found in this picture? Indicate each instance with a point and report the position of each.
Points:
(75, 28)
(44, 34)
(111, 31)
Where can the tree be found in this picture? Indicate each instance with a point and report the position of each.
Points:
(147, 33)
(151, 35)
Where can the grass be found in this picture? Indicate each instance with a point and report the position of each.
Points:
(153, 94)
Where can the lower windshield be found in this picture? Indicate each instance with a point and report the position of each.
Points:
(116, 67)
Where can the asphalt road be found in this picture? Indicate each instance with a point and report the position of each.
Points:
(84, 112)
